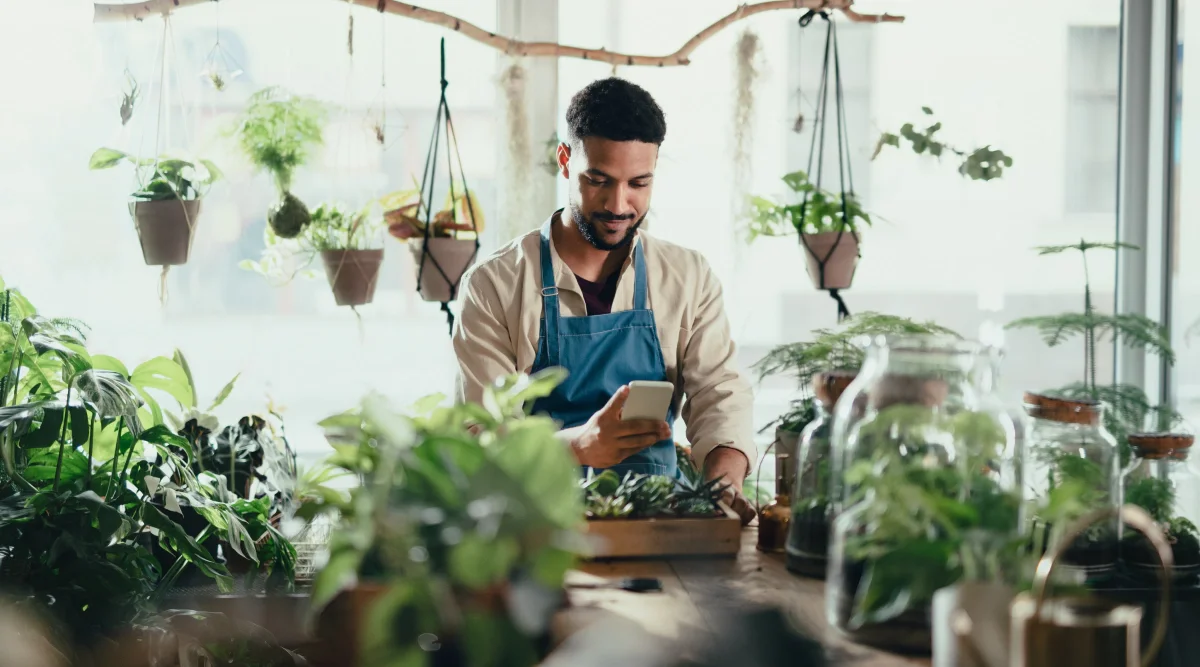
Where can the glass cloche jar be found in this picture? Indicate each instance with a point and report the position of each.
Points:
(1071, 468)
(1160, 481)
(812, 511)
(930, 488)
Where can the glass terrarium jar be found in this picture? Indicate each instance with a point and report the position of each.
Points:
(1071, 467)
(930, 488)
(812, 511)
(1160, 481)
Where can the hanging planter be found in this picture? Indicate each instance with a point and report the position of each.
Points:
(349, 245)
(165, 229)
(166, 206)
(827, 223)
(352, 274)
(444, 244)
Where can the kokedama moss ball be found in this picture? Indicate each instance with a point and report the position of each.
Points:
(288, 217)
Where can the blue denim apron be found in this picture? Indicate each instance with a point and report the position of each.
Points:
(601, 353)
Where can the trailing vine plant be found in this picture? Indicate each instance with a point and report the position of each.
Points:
(979, 164)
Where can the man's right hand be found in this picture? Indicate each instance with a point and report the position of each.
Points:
(605, 440)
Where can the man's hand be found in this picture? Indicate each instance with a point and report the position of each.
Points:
(605, 440)
(731, 464)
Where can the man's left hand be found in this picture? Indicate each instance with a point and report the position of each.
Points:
(731, 464)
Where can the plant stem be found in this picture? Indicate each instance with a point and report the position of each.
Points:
(62, 437)
(125, 467)
(91, 445)
(11, 360)
(116, 456)
(1089, 343)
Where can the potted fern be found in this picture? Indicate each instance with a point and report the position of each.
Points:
(278, 133)
(350, 246)
(166, 206)
(444, 248)
(828, 225)
(1129, 408)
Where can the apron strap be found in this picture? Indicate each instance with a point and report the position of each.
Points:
(549, 299)
(639, 282)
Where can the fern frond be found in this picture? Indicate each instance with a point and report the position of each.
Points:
(1084, 246)
(838, 349)
(1135, 331)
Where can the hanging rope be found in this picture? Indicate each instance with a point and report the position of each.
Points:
(817, 151)
(428, 178)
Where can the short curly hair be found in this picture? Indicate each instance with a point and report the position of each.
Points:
(617, 110)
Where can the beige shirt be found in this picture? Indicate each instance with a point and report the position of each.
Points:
(496, 333)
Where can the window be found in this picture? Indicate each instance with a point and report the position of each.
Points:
(1092, 105)
(71, 245)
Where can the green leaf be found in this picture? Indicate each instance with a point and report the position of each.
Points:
(165, 375)
(179, 359)
(224, 393)
(904, 578)
(550, 566)
(339, 573)
(1084, 246)
(185, 546)
(160, 434)
(214, 174)
(104, 158)
(927, 111)
(238, 537)
(44, 462)
(47, 432)
(477, 562)
(548, 475)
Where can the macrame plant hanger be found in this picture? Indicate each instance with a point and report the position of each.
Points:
(817, 151)
(428, 180)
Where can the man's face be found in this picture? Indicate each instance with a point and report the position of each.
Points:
(610, 188)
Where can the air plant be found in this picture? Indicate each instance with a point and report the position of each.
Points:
(129, 98)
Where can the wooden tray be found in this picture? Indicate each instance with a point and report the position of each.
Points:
(662, 538)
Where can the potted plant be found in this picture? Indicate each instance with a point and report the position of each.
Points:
(166, 206)
(980, 164)
(444, 248)
(1128, 406)
(462, 511)
(836, 349)
(278, 133)
(350, 247)
(77, 520)
(827, 223)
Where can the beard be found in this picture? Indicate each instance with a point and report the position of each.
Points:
(588, 228)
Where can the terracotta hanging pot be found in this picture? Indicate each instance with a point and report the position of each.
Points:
(352, 274)
(840, 265)
(452, 256)
(165, 229)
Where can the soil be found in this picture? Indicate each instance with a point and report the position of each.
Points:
(808, 543)
(1141, 561)
(1093, 557)
(908, 633)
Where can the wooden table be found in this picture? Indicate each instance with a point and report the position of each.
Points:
(698, 592)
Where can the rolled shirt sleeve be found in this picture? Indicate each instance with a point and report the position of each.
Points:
(481, 338)
(719, 407)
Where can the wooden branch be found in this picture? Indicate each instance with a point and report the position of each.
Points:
(513, 47)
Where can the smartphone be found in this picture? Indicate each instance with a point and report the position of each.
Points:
(648, 400)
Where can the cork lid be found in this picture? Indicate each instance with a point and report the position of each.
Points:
(1062, 410)
(1161, 445)
(828, 386)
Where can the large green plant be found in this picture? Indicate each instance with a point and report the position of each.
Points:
(979, 164)
(1129, 409)
(278, 132)
(164, 178)
(79, 520)
(456, 504)
(817, 211)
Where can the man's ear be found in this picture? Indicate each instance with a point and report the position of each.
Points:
(564, 157)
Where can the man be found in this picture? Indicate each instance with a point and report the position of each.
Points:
(591, 293)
